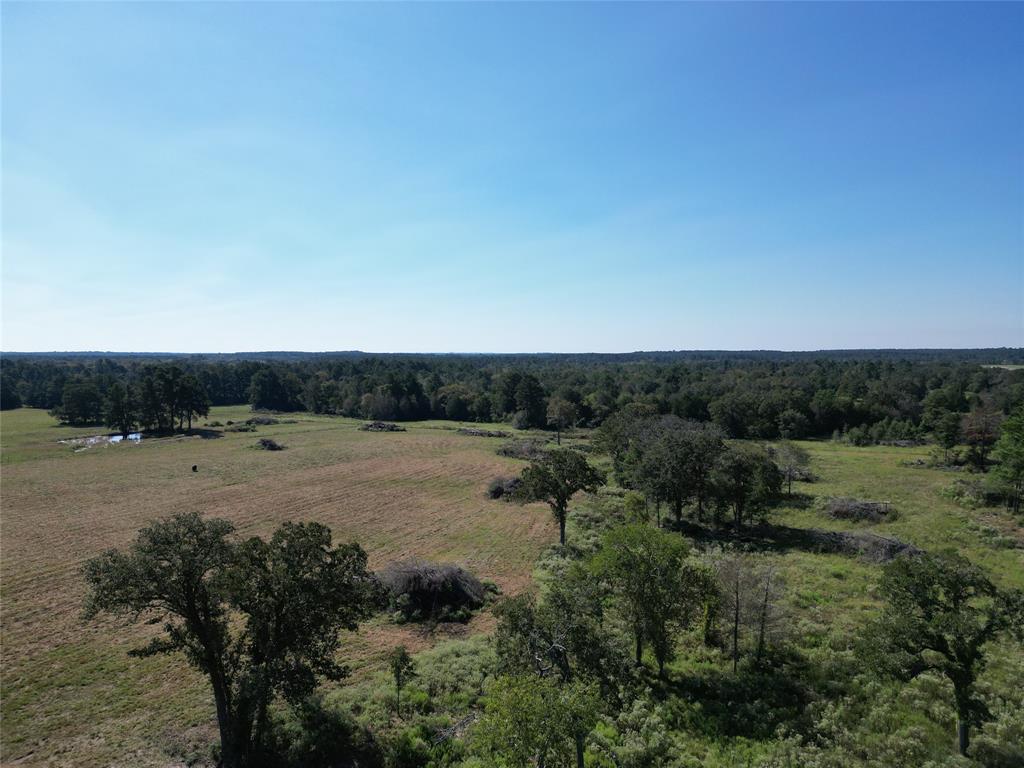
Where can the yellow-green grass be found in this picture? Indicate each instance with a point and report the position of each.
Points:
(71, 695)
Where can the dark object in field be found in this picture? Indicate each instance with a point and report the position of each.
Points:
(474, 432)
(381, 426)
(195, 467)
(528, 450)
(857, 510)
(433, 591)
(240, 428)
(502, 487)
(266, 444)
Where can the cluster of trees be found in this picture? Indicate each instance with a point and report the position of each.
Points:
(867, 397)
(160, 397)
(680, 462)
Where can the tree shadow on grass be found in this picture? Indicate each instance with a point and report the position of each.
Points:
(797, 500)
(752, 703)
(783, 538)
(205, 434)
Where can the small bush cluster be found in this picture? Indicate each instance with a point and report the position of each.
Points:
(970, 493)
(502, 487)
(239, 428)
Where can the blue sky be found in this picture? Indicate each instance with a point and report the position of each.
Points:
(524, 177)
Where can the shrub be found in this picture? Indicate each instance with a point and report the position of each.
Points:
(970, 493)
(502, 487)
(240, 428)
(432, 591)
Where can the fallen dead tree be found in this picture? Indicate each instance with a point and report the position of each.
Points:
(420, 590)
(474, 432)
(381, 426)
(858, 510)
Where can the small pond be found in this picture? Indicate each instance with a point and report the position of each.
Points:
(84, 443)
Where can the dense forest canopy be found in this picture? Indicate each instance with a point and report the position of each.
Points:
(872, 396)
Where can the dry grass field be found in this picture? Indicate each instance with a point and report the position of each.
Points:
(71, 696)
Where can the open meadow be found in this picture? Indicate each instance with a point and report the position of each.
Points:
(72, 696)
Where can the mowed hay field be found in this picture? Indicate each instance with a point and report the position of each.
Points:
(70, 693)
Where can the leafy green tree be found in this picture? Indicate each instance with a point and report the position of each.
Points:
(657, 590)
(81, 403)
(563, 637)
(746, 481)
(791, 459)
(980, 432)
(529, 721)
(792, 424)
(941, 613)
(671, 460)
(169, 390)
(192, 399)
(620, 430)
(260, 619)
(121, 409)
(947, 431)
(1009, 452)
(530, 402)
(9, 397)
(152, 414)
(403, 669)
(280, 391)
(561, 415)
(555, 479)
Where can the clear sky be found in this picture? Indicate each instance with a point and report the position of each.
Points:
(526, 177)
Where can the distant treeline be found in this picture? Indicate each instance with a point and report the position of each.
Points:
(873, 395)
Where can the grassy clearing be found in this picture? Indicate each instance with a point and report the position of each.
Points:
(71, 696)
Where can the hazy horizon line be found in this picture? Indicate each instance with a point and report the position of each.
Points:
(535, 352)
